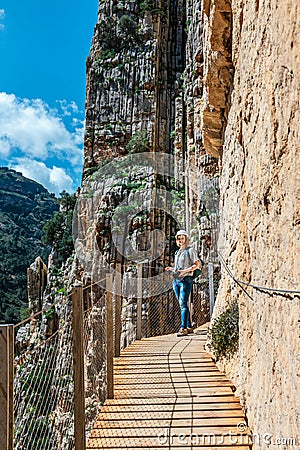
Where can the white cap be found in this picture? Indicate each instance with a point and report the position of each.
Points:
(181, 232)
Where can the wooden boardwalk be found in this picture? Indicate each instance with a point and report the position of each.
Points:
(170, 394)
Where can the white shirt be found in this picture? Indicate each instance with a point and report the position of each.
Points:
(185, 258)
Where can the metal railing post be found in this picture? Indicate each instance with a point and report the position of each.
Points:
(109, 337)
(139, 302)
(211, 288)
(118, 307)
(6, 386)
(78, 366)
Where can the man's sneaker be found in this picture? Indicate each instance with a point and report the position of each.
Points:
(182, 332)
(190, 330)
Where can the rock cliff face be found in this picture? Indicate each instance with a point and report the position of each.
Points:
(145, 94)
(215, 84)
(260, 197)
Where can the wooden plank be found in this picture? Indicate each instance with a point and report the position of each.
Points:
(97, 444)
(161, 359)
(160, 411)
(213, 408)
(178, 378)
(225, 400)
(142, 431)
(200, 417)
(132, 370)
(162, 370)
(173, 387)
(185, 389)
(167, 380)
(240, 442)
(142, 424)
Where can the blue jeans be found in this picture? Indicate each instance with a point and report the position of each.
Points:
(182, 289)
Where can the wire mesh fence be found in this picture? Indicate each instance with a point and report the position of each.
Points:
(43, 386)
(204, 292)
(45, 366)
(160, 314)
(95, 356)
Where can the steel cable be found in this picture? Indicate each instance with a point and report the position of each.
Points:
(259, 288)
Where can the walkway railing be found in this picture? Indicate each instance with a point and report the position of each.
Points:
(285, 293)
(57, 366)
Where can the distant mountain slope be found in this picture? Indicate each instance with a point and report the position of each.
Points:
(24, 208)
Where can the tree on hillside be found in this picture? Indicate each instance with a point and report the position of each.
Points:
(58, 231)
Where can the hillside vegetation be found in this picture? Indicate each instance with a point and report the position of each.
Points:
(25, 206)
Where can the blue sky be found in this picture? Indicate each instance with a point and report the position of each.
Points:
(43, 49)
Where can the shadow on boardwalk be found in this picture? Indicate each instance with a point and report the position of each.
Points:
(170, 394)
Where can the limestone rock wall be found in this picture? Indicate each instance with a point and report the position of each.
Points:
(260, 225)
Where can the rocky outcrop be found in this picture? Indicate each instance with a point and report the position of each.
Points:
(36, 284)
(43, 384)
(217, 72)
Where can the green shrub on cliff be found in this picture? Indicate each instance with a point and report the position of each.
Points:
(223, 335)
(116, 35)
(150, 6)
(139, 142)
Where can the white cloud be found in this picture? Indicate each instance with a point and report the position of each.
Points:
(55, 179)
(4, 147)
(59, 178)
(2, 14)
(35, 129)
(68, 108)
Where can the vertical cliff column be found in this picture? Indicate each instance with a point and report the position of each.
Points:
(217, 72)
(121, 78)
(169, 67)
